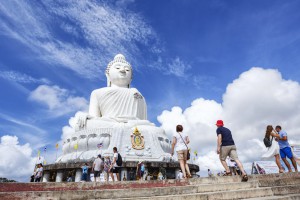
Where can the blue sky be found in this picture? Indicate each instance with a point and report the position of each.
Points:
(53, 54)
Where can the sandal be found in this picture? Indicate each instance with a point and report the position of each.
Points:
(245, 178)
(189, 176)
(227, 174)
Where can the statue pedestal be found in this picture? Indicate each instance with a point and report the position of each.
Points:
(136, 141)
(128, 167)
(143, 142)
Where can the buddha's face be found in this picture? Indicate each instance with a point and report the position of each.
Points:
(120, 74)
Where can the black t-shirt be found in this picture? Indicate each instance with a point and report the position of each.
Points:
(226, 136)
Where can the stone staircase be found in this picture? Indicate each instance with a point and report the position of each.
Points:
(274, 186)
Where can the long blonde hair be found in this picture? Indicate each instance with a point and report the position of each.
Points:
(268, 131)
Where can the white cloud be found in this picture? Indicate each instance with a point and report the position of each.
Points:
(21, 78)
(204, 82)
(58, 100)
(67, 132)
(96, 30)
(100, 29)
(20, 158)
(178, 68)
(15, 158)
(198, 120)
(259, 97)
(124, 2)
(210, 161)
(22, 123)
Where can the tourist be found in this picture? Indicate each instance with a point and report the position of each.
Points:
(180, 141)
(124, 178)
(97, 167)
(140, 170)
(115, 168)
(232, 165)
(273, 150)
(209, 173)
(160, 176)
(39, 173)
(285, 148)
(69, 178)
(226, 147)
(85, 168)
(32, 177)
(107, 164)
(163, 171)
(180, 175)
(131, 174)
(238, 171)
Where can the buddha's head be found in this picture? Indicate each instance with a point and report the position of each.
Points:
(118, 72)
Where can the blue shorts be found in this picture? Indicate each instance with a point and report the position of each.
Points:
(286, 152)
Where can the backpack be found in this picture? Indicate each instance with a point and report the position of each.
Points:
(119, 160)
(268, 142)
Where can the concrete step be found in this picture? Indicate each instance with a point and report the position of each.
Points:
(149, 192)
(230, 179)
(11, 187)
(281, 197)
(258, 186)
(179, 190)
(265, 180)
(279, 182)
(50, 186)
(175, 193)
(257, 193)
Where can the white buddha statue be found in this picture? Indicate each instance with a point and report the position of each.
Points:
(116, 102)
(116, 113)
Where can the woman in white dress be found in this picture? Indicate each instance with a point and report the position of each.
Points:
(273, 150)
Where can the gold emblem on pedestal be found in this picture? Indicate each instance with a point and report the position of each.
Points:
(137, 140)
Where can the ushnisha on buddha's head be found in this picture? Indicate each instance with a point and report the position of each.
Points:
(119, 72)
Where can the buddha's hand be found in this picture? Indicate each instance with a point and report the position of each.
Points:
(82, 118)
(79, 120)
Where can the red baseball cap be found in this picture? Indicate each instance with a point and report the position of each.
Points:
(220, 123)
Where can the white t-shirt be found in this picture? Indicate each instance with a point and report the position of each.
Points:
(98, 162)
(39, 172)
(116, 156)
(180, 144)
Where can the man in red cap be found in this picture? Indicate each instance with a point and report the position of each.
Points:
(226, 147)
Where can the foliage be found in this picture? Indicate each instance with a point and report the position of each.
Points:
(5, 180)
